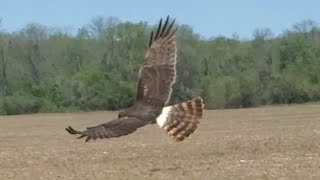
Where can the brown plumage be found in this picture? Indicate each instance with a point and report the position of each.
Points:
(115, 128)
(158, 72)
(183, 119)
(155, 79)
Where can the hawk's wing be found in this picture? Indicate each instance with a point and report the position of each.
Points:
(158, 72)
(115, 128)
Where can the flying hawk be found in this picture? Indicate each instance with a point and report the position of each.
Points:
(155, 80)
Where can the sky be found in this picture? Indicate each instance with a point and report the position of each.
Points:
(208, 18)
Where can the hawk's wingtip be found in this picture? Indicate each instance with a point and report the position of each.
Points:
(70, 130)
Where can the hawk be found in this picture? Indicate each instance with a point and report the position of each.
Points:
(155, 79)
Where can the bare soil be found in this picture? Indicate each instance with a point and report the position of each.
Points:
(256, 143)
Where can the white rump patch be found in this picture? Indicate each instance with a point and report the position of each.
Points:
(162, 118)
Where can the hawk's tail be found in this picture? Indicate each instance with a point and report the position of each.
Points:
(181, 120)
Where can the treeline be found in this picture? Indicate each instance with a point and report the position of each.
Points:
(45, 69)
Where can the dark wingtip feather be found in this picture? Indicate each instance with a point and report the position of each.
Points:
(164, 26)
(158, 30)
(170, 27)
(151, 39)
(163, 31)
(88, 138)
(72, 131)
(82, 136)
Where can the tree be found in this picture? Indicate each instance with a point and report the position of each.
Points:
(45, 69)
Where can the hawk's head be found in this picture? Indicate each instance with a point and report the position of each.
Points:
(121, 114)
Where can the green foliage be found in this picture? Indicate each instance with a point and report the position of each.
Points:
(96, 89)
(23, 104)
(46, 70)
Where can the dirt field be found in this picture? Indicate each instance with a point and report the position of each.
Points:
(258, 143)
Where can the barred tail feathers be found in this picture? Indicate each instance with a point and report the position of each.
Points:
(181, 120)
